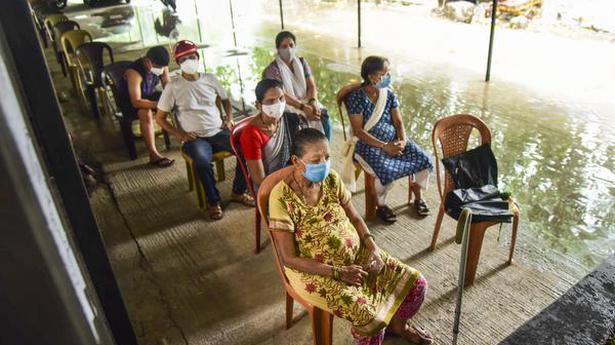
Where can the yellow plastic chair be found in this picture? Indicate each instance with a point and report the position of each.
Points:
(70, 41)
(50, 21)
(193, 178)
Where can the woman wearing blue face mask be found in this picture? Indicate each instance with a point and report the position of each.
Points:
(300, 91)
(330, 257)
(382, 147)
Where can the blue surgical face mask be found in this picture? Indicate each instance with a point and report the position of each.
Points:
(384, 82)
(317, 172)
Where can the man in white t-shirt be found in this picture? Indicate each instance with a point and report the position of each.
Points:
(201, 130)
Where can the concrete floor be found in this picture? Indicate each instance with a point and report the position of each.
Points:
(187, 280)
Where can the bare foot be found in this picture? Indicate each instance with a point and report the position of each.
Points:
(413, 334)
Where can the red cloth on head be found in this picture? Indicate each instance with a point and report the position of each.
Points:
(183, 48)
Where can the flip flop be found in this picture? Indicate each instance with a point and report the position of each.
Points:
(421, 207)
(162, 162)
(386, 214)
(244, 199)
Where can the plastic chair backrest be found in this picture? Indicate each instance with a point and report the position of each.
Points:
(113, 77)
(236, 146)
(52, 20)
(341, 97)
(90, 57)
(71, 40)
(62, 27)
(263, 207)
(453, 133)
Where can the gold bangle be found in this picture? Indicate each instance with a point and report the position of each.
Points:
(335, 272)
(365, 236)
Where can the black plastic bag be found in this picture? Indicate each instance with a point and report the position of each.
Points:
(475, 174)
(485, 203)
(473, 168)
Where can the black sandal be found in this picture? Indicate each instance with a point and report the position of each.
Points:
(162, 162)
(421, 207)
(386, 214)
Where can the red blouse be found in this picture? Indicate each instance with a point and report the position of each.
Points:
(252, 141)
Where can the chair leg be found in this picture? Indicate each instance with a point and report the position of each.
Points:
(43, 34)
(477, 233)
(91, 90)
(257, 231)
(322, 327)
(436, 229)
(190, 173)
(167, 140)
(220, 170)
(513, 238)
(289, 311)
(370, 196)
(129, 139)
(410, 188)
(73, 79)
(201, 197)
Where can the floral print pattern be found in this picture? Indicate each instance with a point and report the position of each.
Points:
(325, 234)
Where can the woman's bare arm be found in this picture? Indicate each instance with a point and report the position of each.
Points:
(285, 242)
(134, 80)
(257, 170)
(398, 123)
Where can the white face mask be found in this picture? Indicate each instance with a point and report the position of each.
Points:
(157, 71)
(190, 66)
(274, 110)
(288, 53)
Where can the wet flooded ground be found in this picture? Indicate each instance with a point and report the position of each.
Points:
(555, 145)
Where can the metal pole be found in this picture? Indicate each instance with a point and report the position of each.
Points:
(493, 13)
(243, 103)
(281, 14)
(198, 22)
(230, 3)
(463, 224)
(359, 22)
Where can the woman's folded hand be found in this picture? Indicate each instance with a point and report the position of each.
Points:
(353, 275)
(392, 148)
(375, 262)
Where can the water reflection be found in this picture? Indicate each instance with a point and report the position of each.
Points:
(116, 20)
(167, 25)
(556, 158)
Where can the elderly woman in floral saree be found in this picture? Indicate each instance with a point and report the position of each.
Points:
(329, 255)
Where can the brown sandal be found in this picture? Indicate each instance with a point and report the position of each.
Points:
(244, 199)
(215, 212)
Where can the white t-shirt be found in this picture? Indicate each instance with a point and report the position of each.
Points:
(196, 103)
